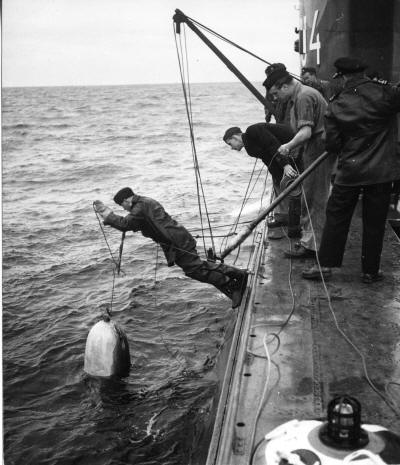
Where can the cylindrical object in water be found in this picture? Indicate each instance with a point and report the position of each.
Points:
(107, 351)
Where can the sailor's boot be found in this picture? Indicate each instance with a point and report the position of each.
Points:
(235, 287)
(229, 280)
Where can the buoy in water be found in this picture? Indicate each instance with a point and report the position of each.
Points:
(107, 350)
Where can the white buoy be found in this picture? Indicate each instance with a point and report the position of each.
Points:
(107, 350)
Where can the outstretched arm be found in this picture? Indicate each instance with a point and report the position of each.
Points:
(127, 223)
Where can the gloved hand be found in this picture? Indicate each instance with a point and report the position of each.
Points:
(101, 209)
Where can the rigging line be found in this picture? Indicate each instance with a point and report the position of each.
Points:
(105, 238)
(194, 153)
(191, 120)
(245, 200)
(364, 364)
(216, 34)
(245, 197)
(188, 79)
(191, 133)
(234, 225)
(221, 226)
(116, 264)
(265, 181)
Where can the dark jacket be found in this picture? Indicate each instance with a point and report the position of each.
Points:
(262, 140)
(361, 127)
(149, 217)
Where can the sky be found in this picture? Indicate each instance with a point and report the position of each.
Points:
(114, 42)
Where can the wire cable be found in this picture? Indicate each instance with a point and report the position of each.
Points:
(343, 334)
(188, 105)
(115, 262)
(225, 39)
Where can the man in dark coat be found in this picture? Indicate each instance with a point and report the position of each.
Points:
(262, 141)
(361, 128)
(149, 217)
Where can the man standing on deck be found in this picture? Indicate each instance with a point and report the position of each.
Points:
(309, 78)
(281, 108)
(179, 246)
(361, 128)
(262, 140)
(307, 108)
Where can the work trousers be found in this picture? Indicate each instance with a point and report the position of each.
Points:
(217, 274)
(339, 211)
(289, 209)
(316, 188)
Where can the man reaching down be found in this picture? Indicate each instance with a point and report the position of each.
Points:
(149, 217)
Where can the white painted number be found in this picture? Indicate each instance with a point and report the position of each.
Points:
(317, 44)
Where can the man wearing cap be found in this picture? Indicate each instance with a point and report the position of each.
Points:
(262, 141)
(361, 128)
(309, 78)
(281, 108)
(307, 108)
(149, 217)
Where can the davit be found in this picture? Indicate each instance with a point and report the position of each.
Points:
(107, 350)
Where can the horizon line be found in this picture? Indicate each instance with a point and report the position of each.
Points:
(120, 85)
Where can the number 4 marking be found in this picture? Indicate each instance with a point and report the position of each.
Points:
(317, 44)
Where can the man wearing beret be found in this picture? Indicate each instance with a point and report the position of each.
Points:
(262, 141)
(307, 108)
(361, 128)
(281, 108)
(149, 217)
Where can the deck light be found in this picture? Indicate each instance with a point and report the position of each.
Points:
(343, 428)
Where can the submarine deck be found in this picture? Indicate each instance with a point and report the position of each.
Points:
(308, 360)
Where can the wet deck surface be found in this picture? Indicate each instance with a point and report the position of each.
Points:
(313, 362)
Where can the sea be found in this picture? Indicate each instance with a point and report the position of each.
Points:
(63, 148)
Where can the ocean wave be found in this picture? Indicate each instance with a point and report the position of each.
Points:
(59, 274)
(115, 138)
(17, 126)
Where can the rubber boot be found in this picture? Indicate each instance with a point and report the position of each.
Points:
(235, 288)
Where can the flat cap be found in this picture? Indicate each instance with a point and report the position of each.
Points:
(123, 194)
(348, 65)
(275, 76)
(273, 67)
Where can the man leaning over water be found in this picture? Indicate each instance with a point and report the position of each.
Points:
(149, 217)
(262, 141)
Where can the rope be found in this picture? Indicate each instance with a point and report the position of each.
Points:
(339, 329)
(117, 265)
(244, 201)
(188, 106)
(225, 39)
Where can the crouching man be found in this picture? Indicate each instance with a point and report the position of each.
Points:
(149, 217)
